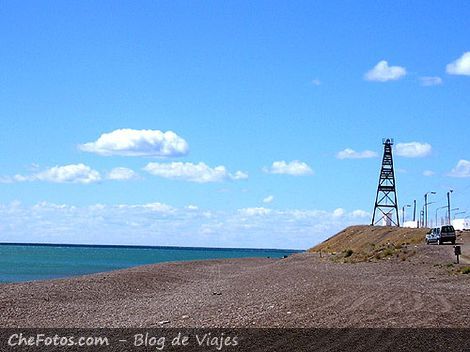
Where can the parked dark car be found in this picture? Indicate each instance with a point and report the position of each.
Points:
(441, 234)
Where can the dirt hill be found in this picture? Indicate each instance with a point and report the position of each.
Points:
(368, 242)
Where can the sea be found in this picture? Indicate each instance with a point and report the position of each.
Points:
(30, 262)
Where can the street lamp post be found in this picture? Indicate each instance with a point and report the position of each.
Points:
(403, 213)
(424, 213)
(448, 205)
(445, 206)
(426, 207)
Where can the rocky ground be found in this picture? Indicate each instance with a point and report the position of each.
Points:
(305, 290)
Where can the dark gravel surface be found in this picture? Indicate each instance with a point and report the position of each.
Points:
(303, 290)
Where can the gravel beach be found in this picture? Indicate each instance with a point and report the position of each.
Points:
(303, 290)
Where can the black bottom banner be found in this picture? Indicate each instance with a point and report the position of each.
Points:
(173, 339)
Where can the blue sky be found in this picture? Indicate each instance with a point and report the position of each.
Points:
(261, 99)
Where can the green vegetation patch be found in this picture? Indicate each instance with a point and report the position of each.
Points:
(348, 253)
(465, 270)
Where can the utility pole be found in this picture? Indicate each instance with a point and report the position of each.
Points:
(403, 213)
(448, 205)
(426, 210)
(414, 210)
(426, 207)
(445, 206)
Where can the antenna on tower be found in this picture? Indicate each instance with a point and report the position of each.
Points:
(386, 200)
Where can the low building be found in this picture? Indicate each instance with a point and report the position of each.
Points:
(461, 224)
(411, 224)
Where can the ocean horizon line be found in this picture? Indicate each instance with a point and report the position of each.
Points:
(131, 246)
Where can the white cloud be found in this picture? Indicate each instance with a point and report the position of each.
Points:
(129, 142)
(21, 178)
(97, 206)
(413, 149)
(257, 211)
(162, 224)
(461, 66)
(268, 199)
(294, 168)
(6, 179)
(153, 207)
(51, 206)
(349, 153)
(461, 170)
(122, 174)
(73, 173)
(428, 81)
(239, 175)
(316, 82)
(382, 72)
(428, 173)
(200, 173)
(360, 214)
(338, 212)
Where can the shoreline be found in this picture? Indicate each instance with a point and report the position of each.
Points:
(302, 290)
(32, 263)
(131, 246)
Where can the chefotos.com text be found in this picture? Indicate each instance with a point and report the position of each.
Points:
(56, 340)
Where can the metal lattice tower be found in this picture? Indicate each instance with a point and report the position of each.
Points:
(386, 200)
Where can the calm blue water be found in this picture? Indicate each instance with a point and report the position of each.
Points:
(39, 262)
